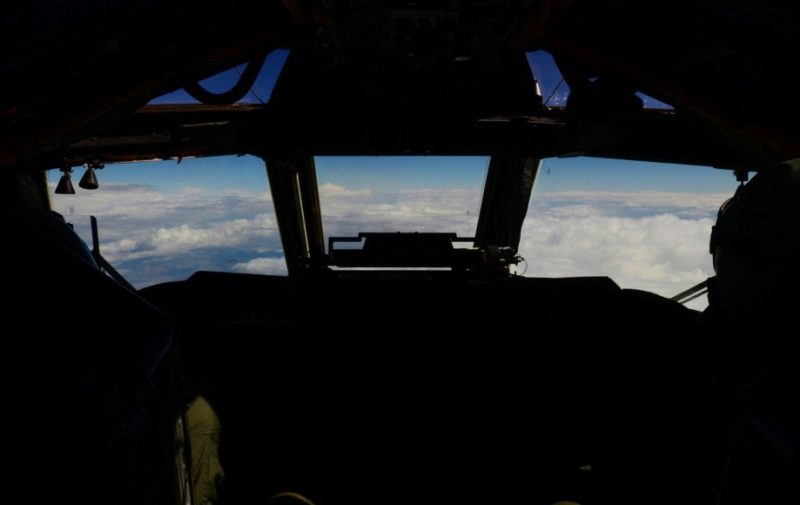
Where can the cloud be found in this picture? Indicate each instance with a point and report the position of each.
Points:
(334, 190)
(154, 236)
(144, 202)
(453, 210)
(185, 238)
(122, 188)
(120, 246)
(633, 204)
(643, 240)
(655, 241)
(649, 240)
(662, 253)
(264, 266)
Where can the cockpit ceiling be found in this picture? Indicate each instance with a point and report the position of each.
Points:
(74, 71)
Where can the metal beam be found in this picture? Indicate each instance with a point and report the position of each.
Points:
(312, 218)
(293, 182)
(508, 188)
(162, 131)
(285, 188)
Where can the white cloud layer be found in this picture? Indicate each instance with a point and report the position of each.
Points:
(263, 266)
(185, 237)
(644, 240)
(647, 240)
(154, 236)
(329, 190)
(661, 253)
(424, 210)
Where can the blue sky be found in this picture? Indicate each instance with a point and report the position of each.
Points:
(568, 174)
(645, 225)
(431, 172)
(244, 172)
(402, 172)
(260, 93)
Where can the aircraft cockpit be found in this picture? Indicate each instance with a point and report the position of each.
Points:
(352, 252)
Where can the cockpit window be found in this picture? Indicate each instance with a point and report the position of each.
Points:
(400, 193)
(163, 220)
(259, 94)
(645, 225)
(555, 90)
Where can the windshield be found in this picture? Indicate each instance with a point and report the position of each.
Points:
(400, 193)
(162, 221)
(645, 225)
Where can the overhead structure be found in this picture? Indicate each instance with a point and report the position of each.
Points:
(445, 77)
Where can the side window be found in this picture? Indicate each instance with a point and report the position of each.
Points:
(645, 225)
(162, 221)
